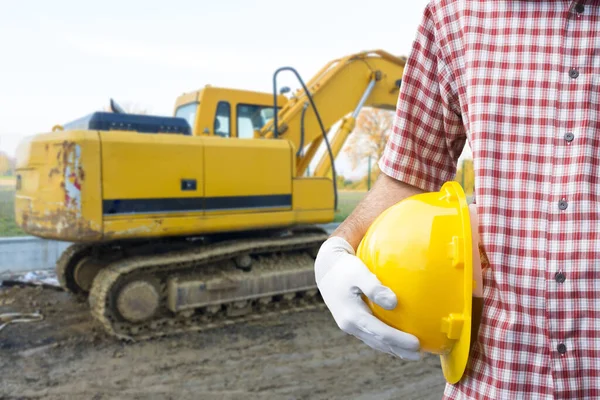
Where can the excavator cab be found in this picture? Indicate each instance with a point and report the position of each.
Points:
(226, 113)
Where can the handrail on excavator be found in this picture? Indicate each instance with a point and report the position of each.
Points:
(376, 85)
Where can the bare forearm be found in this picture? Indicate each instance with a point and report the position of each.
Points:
(385, 193)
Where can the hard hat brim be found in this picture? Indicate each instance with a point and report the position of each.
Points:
(455, 362)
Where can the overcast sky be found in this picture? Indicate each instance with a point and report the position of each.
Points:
(63, 59)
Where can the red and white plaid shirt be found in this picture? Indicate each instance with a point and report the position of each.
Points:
(520, 80)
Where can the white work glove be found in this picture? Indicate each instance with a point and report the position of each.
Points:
(341, 278)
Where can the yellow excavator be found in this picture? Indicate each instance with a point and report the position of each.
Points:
(204, 218)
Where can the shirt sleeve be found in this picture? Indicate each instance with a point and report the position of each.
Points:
(428, 133)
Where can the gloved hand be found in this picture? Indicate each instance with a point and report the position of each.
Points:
(341, 278)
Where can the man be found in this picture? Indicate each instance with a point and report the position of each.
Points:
(520, 80)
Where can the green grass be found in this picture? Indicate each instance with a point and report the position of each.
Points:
(347, 201)
(7, 213)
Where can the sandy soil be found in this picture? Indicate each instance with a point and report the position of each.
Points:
(297, 356)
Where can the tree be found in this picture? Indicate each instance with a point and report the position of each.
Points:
(340, 181)
(7, 165)
(370, 135)
(465, 176)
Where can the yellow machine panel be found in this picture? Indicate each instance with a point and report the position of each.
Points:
(310, 208)
(138, 166)
(246, 168)
(56, 197)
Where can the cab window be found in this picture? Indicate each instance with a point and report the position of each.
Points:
(222, 119)
(250, 118)
(188, 112)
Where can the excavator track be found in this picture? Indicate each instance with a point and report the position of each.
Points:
(206, 287)
(66, 262)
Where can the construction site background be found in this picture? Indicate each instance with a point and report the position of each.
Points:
(464, 176)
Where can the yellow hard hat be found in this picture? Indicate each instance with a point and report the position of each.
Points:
(422, 249)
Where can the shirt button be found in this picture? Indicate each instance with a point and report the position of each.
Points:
(573, 73)
(562, 349)
(569, 137)
(580, 8)
(560, 277)
(563, 204)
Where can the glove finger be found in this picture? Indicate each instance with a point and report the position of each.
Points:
(370, 325)
(371, 287)
(406, 354)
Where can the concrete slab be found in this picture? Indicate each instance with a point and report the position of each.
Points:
(29, 253)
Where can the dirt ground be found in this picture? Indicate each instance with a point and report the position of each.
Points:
(296, 356)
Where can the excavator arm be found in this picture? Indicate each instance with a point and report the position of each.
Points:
(338, 92)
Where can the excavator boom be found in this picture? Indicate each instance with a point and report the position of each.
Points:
(339, 90)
